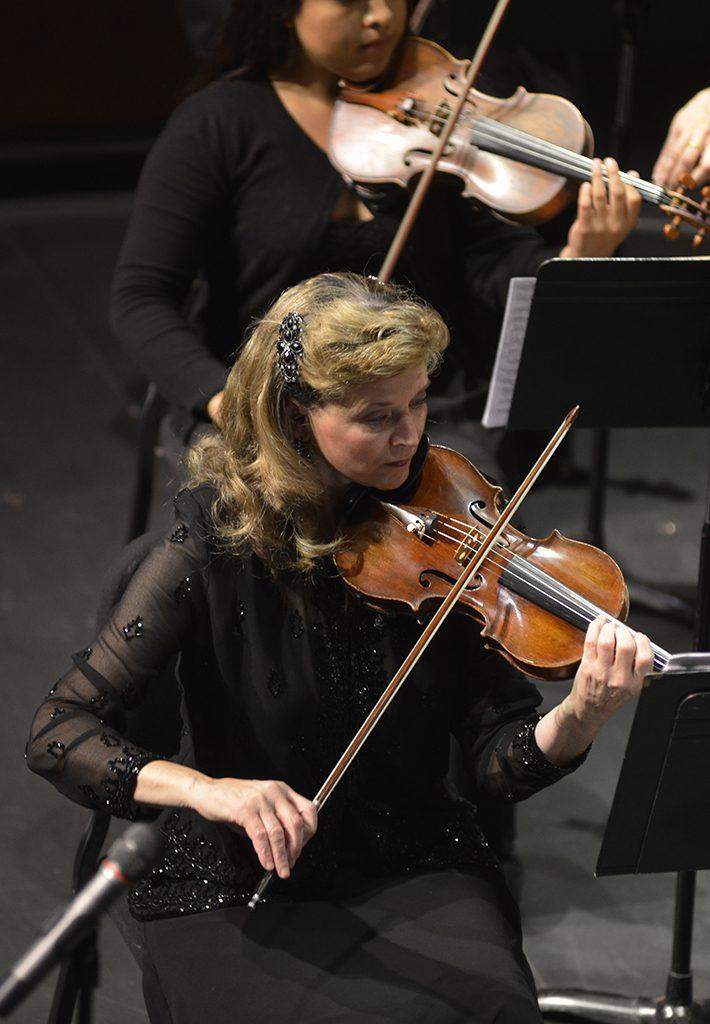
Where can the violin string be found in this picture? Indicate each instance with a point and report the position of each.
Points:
(523, 144)
(539, 581)
(510, 563)
(567, 599)
(557, 160)
(654, 193)
(576, 164)
(490, 129)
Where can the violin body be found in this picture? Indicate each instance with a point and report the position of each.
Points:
(532, 622)
(370, 143)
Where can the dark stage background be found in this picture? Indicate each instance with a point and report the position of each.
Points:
(85, 87)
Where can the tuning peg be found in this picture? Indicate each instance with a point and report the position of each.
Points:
(705, 211)
(671, 231)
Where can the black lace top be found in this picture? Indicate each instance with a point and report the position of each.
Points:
(275, 679)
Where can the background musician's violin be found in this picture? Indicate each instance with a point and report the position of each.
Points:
(535, 598)
(516, 155)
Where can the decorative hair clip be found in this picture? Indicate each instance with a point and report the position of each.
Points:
(290, 348)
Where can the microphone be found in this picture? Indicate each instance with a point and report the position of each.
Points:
(127, 859)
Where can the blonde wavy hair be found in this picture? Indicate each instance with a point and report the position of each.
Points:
(269, 499)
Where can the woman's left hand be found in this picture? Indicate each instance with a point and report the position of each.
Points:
(611, 673)
(605, 213)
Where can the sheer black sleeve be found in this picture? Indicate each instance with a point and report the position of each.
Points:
(182, 199)
(75, 740)
(495, 725)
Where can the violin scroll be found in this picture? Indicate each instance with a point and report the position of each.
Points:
(682, 208)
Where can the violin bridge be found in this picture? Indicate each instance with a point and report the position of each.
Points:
(439, 119)
(466, 548)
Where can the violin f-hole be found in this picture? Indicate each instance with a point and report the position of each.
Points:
(473, 508)
(452, 85)
(473, 584)
(416, 155)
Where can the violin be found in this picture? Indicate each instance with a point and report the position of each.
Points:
(535, 598)
(516, 155)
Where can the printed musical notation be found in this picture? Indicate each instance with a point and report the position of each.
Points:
(510, 347)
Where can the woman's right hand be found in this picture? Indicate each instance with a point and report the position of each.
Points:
(278, 820)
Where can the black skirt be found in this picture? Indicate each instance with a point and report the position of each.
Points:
(438, 948)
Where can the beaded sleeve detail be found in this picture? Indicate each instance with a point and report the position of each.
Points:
(78, 739)
(524, 745)
(520, 767)
(119, 783)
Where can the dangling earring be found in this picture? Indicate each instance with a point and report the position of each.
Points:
(302, 449)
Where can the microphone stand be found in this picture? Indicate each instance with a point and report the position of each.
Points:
(79, 972)
(128, 858)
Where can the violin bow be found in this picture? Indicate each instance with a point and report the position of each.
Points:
(428, 633)
(415, 203)
(419, 15)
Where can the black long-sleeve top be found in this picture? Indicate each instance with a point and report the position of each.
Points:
(276, 677)
(235, 190)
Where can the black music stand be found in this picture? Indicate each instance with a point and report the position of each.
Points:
(629, 341)
(659, 821)
(626, 339)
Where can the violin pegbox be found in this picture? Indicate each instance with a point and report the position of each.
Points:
(682, 209)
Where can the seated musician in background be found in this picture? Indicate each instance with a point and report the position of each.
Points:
(392, 906)
(239, 189)
(687, 146)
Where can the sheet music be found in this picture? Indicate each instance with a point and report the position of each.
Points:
(510, 347)
(693, 661)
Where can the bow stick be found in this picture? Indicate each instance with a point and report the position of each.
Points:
(415, 203)
(419, 15)
(430, 630)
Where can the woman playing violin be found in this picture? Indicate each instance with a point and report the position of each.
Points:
(239, 189)
(391, 905)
